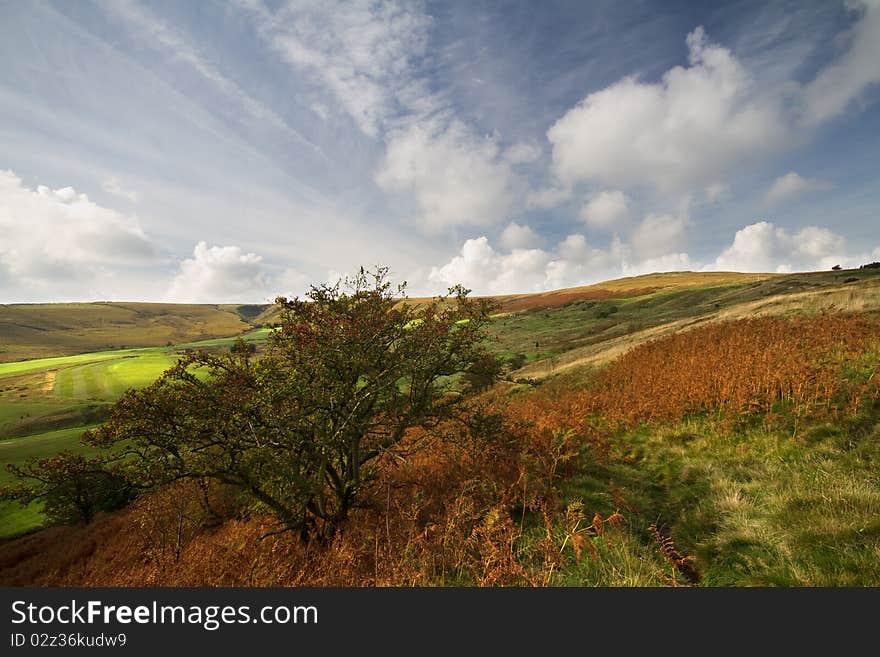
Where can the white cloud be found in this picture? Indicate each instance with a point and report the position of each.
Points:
(290, 283)
(361, 52)
(659, 235)
(369, 57)
(764, 247)
(759, 247)
(112, 186)
(455, 176)
(548, 197)
(790, 186)
(606, 209)
(515, 236)
(522, 153)
(664, 263)
(842, 82)
(56, 243)
(221, 274)
(573, 262)
(576, 262)
(686, 130)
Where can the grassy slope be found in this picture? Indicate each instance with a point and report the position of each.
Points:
(589, 325)
(585, 333)
(755, 506)
(37, 330)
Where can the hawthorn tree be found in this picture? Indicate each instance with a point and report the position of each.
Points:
(349, 371)
(72, 487)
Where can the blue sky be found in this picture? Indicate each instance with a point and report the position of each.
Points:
(234, 151)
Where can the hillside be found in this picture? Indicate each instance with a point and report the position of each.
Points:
(588, 329)
(727, 456)
(41, 330)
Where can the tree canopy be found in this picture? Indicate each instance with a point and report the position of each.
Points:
(350, 370)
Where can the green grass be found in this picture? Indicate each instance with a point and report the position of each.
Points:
(754, 506)
(108, 379)
(23, 418)
(544, 333)
(18, 450)
(57, 362)
(256, 336)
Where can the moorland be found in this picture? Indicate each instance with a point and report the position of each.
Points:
(668, 429)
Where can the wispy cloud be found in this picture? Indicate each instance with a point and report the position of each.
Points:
(843, 81)
(160, 34)
(363, 53)
(370, 58)
(112, 185)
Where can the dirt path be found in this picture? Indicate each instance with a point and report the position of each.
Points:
(49, 384)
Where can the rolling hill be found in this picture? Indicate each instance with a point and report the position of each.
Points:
(64, 364)
(42, 330)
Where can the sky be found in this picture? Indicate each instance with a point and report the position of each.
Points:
(236, 151)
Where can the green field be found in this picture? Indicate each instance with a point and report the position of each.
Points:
(46, 404)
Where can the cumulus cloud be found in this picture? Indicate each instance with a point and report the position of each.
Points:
(790, 186)
(515, 236)
(57, 243)
(686, 130)
(759, 247)
(606, 210)
(455, 176)
(658, 235)
(842, 82)
(764, 247)
(480, 267)
(577, 262)
(664, 263)
(574, 261)
(219, 274)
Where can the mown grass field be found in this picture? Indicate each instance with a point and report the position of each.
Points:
(778, 501)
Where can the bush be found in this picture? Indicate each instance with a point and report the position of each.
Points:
(300, 430)
(73, 488)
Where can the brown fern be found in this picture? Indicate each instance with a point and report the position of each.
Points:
(686, 565)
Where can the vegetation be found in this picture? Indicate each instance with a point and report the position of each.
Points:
(72, 487)
(723, 433)
(29, 331)
(299, 429)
